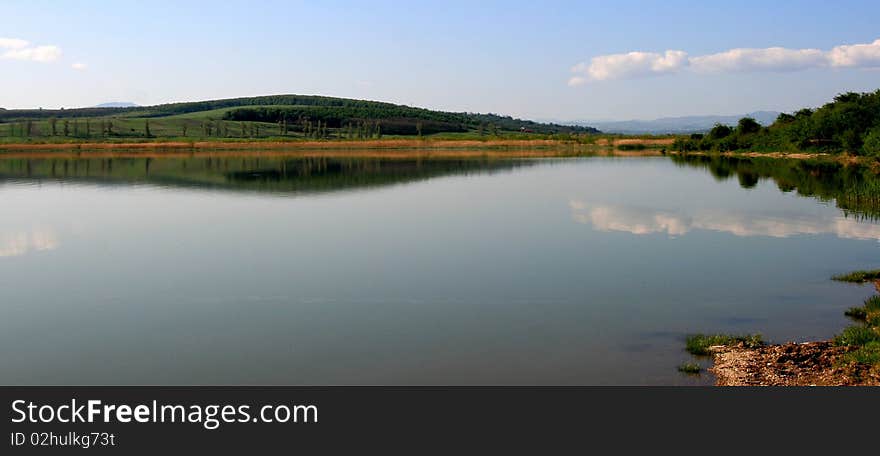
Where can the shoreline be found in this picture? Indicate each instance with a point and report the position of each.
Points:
(383, 148)
(396, 148)
(814, 363)
(789, 364)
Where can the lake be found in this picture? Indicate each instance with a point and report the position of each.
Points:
(227, 269)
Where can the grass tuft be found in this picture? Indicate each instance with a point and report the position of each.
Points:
(698, 344)
(856, 335)
(858, 276)
(690, 368)
(872, 304)
(856, 313)
(866, 354)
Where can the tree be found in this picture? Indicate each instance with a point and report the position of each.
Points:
(748, 125)
(147, 128)
(720, 131)
(784, 118)
(52, 122)
(183, 129)
(419, 128)
(66, 128)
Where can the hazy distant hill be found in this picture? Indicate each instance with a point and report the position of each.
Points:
(687, 124)
(117, 104)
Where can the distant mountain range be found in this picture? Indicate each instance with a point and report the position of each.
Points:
(117, 104)
(687, 124)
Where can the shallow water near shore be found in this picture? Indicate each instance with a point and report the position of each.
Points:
(415, 271)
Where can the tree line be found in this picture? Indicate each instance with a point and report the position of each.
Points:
(850, 123)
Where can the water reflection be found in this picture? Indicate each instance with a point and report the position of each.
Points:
(641, 221)
(246, 173)
(20, 243)
(855, 189)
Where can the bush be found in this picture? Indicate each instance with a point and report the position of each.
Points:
(871, 145)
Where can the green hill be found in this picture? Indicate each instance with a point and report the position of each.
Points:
(302, 116)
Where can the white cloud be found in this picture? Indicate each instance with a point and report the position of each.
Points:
(778, 59)
(18, 49)
(13, 43)
(79, 66)
(769, 59)
(629, 65)
(856, 55)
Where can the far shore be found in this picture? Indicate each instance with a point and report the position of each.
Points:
(391, 148)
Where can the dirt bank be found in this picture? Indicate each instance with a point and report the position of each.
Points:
(790, 364)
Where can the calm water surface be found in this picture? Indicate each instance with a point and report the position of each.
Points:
(238, 270)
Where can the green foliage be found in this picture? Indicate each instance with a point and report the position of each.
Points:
(719, 131)
(858, 276)
(690, 368)
(856, 335)
(866, 354)
(850, 123)
(869, 312)
(698, 344)
(747, 126)
(872, 142)
(331, 112)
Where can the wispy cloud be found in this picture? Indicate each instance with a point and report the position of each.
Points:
(775, 59)
(18, 49)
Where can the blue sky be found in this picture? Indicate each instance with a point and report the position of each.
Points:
(540, 60)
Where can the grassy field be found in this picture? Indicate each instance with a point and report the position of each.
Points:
(274, 117)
